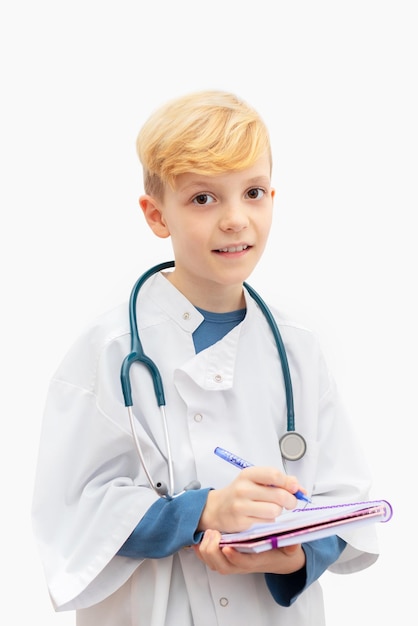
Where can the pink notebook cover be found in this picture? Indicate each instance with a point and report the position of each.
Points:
(307, 524)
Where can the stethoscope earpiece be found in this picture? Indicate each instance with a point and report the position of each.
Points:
(194, 484)
(162, 490)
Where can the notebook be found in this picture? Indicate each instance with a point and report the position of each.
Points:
(307, 524)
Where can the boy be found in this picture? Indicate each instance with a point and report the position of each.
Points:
(113, 549)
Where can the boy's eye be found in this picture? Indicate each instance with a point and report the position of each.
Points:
(256, 193)
(202, 198)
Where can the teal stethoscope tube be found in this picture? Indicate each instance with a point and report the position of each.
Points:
(137, 352)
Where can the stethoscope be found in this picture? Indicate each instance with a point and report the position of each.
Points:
(292, 444)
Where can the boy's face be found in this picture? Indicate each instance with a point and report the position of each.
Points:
(219, 227)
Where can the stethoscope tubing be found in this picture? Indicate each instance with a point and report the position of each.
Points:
(290, 440)
(282, 354)
(137, 351)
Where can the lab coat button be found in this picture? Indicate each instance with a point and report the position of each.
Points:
(198, 417)
(218, 378)
(186, 316)
(224, 601)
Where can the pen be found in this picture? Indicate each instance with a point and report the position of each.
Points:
(241, 464)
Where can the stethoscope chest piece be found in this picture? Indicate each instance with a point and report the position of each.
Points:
(292, 446)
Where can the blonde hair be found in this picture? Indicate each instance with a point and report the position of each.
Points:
(207, 132)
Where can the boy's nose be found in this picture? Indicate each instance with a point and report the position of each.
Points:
(234, 219)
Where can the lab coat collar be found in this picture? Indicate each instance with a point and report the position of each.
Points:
(171, 302)
(214, 368)
(177, 307)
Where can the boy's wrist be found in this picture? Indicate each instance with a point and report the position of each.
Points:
(208, 518)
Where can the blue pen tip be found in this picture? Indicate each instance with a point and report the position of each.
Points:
(301, 496)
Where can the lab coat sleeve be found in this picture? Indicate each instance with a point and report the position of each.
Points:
(85, 501)
(343, 475)
(286, 588)
(168, 526)
(335, 468)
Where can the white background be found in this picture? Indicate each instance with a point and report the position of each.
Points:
(336, 83)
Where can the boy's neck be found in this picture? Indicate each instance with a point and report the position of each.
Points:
(218, 300)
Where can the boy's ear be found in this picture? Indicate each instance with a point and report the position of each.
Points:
(153, 215)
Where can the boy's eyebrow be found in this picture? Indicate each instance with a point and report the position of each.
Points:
(195, 184)
(262, 179)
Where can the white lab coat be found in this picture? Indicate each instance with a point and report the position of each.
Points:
(91, 492)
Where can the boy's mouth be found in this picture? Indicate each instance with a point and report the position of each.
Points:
(239, 248)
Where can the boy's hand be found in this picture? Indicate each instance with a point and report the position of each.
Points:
(229, 561)
(257, 495)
